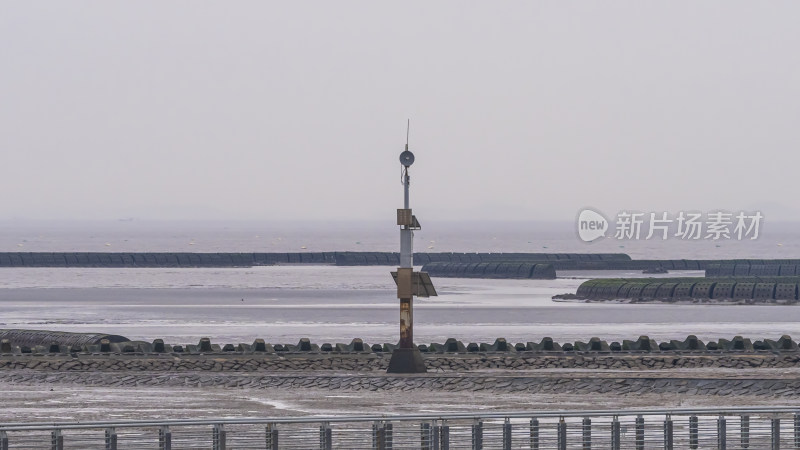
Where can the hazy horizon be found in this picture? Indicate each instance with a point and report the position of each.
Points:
(519, 111)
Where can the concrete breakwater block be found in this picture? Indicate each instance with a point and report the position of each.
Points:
(782, 290)
(643, 344)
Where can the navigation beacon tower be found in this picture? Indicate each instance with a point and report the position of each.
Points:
(407, 358)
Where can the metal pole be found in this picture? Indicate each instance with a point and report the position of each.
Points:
(562, 434)
(406, 183)
(744, 429)
(445, 435)
(668, 433)
(406, 261)
(639, 433)
(377, 436)
(3, 440)
(437, 432)
(406, 323)
(722, 443)
(507, 434)
(587, 433)
(56, 440)
(387, 436)
(325, 436)
(165, 438)
(693, 432)
(111, 439)
(615, 437)
(796, 430)
(272, 436)
(218, 434)
(534, 434)
(425, 436)
(477, 435)
(776, 433)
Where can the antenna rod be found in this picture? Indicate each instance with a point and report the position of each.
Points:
(408, 129)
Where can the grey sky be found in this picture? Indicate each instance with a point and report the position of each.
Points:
(296, 110)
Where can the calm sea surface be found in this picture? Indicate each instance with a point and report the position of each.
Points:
(335, 304)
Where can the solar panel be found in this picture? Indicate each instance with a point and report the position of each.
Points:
(421, 284)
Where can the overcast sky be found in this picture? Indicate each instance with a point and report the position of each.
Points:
(297, 110)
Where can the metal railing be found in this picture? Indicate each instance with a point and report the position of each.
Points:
(717, 428)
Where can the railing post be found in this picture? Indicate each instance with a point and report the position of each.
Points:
(56, 440)
(776, 433)
(639, 433)
(587, 433)
(507, 434)
(377, 436)
(387, 436)
(436, 436)
(111, 439)
(615, 436)
(218, 434)
(562, 434)
(382, 435)
(272, 436)
(477, 435)
(3, 440)
(693, 441)
(722, 433)
(164, 438)
(534, 434)
(325, 436)
(796, 430)
(425, 436)
(668, 433)
(445, 435)
(744, 431)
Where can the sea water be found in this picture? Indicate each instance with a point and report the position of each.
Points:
(282, 304)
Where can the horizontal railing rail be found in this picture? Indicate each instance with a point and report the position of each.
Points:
(411, 417)
(694, 428)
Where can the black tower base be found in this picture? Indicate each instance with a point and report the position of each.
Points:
(406, 360)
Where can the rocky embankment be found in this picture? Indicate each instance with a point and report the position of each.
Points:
(685, 374)
(737, 367)
(362, 363)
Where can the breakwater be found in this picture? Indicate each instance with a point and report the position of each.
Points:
(559, 261)
(546, 346)
(119, 259)
(516, 270)
(743, 269)
(777, 290)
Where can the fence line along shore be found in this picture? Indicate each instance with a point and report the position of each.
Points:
(743, 427)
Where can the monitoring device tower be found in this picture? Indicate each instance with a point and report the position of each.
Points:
(407, 358)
